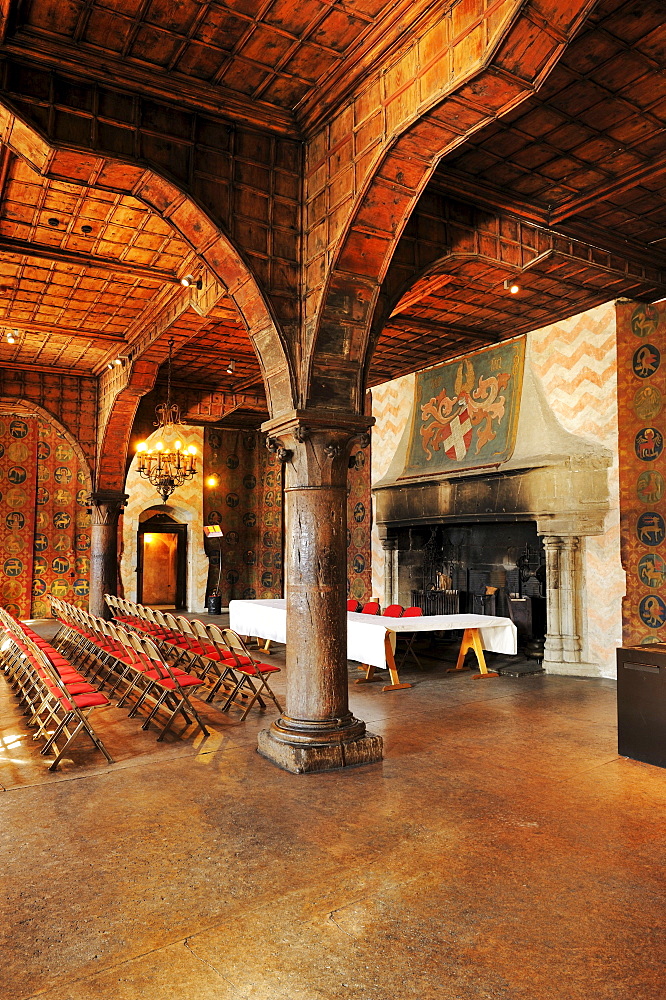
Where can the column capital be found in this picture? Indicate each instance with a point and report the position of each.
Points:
(318, 420)
(106, 505)
(314, 445)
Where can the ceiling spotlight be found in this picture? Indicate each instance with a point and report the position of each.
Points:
(511, 286)
(117, 361)
(231, 367)
(86, 229)
(10, 337)
(188, 280)
(53, 221)
(110, 365)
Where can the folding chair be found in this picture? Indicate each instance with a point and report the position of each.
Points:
(170, 688)
(248, 670)
(215, 656)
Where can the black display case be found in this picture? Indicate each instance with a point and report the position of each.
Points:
(641, 703)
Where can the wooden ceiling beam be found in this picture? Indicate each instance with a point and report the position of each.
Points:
(629, 180)
(24, 248)
(470, 190)
(61, 331)
(218, 101)
(430, 326)
(10, 366)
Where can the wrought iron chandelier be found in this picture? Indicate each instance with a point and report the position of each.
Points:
(169, 465)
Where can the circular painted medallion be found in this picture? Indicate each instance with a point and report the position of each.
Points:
(648, 444)
(644, 319)
(18, 429)
(652, 611)
(651, 528)
(646, 361)
(652, 570)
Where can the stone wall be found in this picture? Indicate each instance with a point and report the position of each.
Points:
(185, 505)
(576, 362)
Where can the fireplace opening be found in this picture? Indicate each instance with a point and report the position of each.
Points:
(494, 568)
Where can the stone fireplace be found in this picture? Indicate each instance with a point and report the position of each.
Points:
(509, 529)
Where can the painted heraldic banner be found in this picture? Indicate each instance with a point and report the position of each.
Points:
(466, 411)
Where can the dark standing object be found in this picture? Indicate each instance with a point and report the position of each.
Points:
(641, 703)
(214, 603)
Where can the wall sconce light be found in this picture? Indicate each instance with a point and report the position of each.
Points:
(211, 481)
(188, 280)
(231, 367)
(511, 286)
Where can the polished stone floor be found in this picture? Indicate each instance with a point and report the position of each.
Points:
(501, 850)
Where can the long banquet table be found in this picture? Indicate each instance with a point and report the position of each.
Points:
(371, 639)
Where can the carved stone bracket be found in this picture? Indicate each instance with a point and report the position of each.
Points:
(275, 446)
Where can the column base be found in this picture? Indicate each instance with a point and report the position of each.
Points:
(560, 666)
(303, 759)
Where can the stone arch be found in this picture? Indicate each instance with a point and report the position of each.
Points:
(184, 213)
(515, 63)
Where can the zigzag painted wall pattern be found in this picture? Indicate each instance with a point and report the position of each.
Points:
(576, 361)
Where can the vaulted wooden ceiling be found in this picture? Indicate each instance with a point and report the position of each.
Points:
(583, 159)
(277, 62)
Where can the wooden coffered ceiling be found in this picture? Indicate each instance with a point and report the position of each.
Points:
(278, 63)
(583, 160)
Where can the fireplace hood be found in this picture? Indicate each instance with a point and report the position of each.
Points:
(553, 477)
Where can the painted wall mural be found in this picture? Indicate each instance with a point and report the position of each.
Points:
(359, 524)
(466, 411)
(246, 501)
(44, 521)
(641, 386)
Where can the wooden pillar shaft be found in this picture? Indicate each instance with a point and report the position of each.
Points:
(106, 506)
(317, 712)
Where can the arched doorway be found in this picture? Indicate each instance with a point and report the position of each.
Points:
(161, 562)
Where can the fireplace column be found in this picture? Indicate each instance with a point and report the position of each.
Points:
(564, 593)
(105, 508)
(390, 546)
(570, 597)
(317, 731)
(553, 648)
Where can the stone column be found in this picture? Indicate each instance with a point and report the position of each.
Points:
(390, 546)
(106, 506)
(317, 731)
(564, 583)
(553, 646)
(570, 598)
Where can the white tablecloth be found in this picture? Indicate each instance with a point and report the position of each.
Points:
(498, 635)
(365, 633)
(268, 620)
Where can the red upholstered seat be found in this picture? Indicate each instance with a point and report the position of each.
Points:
(412, 612)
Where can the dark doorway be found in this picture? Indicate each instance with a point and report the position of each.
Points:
(161, 561)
